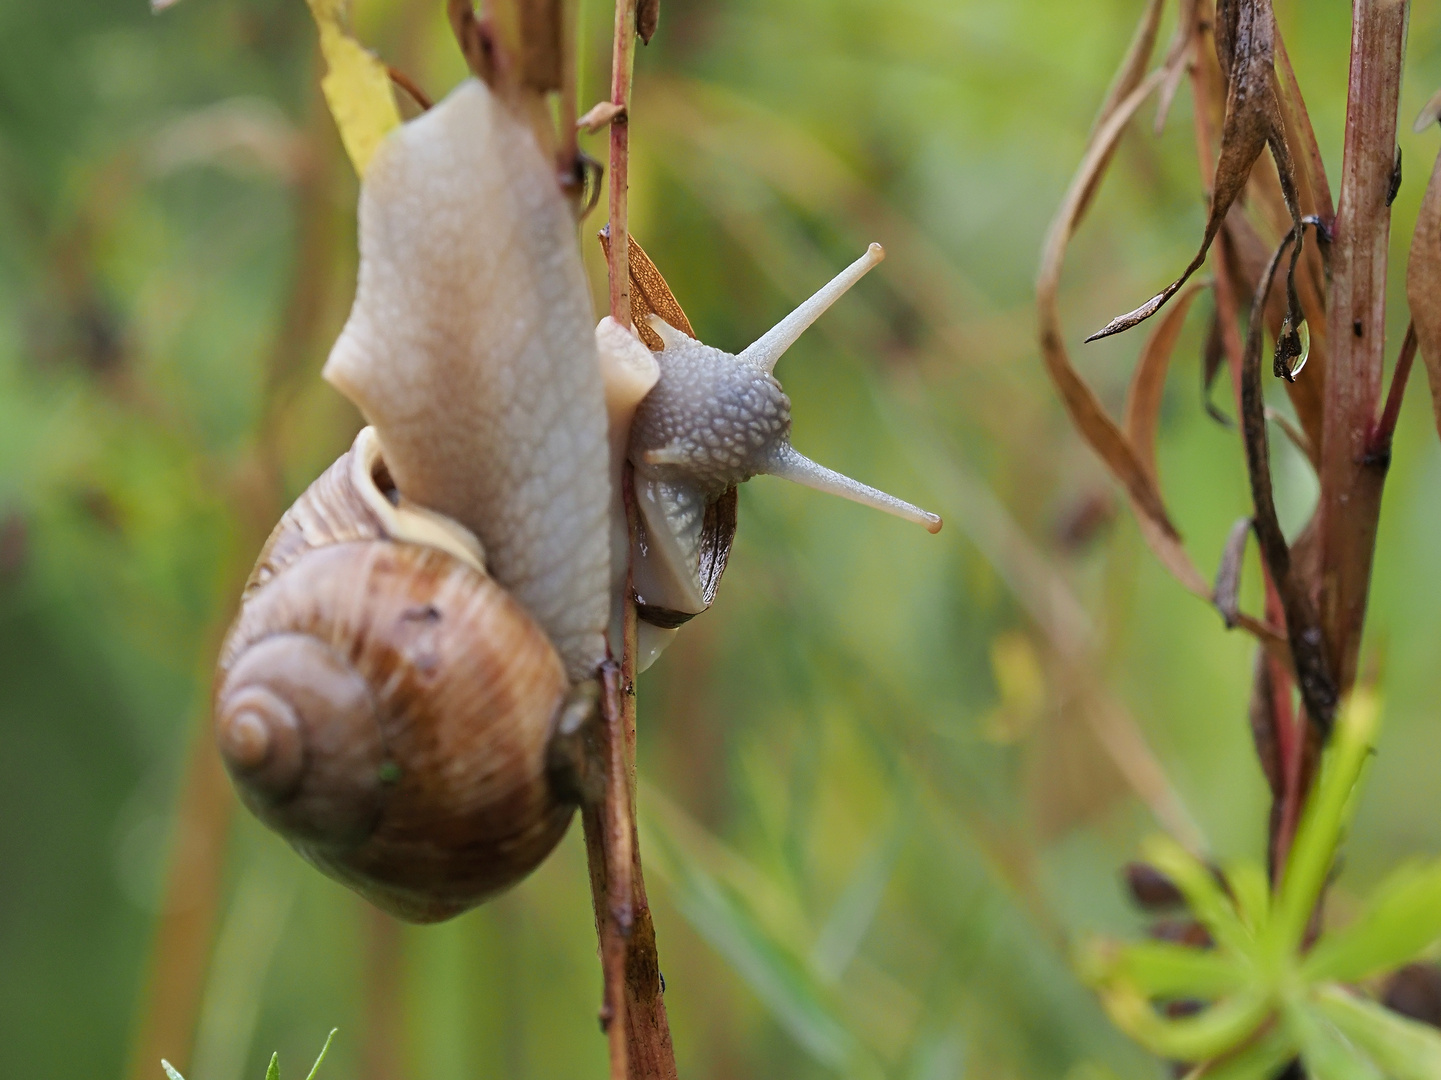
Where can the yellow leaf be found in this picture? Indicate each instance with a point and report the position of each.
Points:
(356, 85)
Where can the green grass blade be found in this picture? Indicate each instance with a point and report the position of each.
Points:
(1208, 902)
(323, 1051)
(1260, 1060)
(1328, 1055)
(1401, 920)
(1210, 1033)
(1327, 811)
(1160, 969)
(273, 1072)
(1405, 1049)
(1252, 891)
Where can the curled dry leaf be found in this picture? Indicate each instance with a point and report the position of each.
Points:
(1085, 409)
(598, 116)
(1148, 383)
(1213, 356)
(1133, 470)
(1423, 282)
(1303, 627)
(1128, 76)
(1245, 31)
(649, 294)
(1228, 576)
(1265, 724)
(1429, 114)
(647, 18)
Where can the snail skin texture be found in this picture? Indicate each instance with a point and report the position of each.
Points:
(471, 348)
(386, 705)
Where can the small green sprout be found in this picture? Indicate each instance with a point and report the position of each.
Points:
(271, 1073)
(1268, 997)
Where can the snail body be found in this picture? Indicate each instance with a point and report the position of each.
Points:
(714, 420)
(387, 706)
(433, 610)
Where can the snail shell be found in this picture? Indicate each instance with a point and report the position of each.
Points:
(385, 705)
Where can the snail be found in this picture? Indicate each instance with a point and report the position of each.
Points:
(427, 620)
(713, 421)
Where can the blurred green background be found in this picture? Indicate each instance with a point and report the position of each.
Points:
(876, 812)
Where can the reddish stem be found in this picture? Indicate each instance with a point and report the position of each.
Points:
(622, 66)
(1381, 435)
(1351, 480)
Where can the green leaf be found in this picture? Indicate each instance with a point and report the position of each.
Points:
(1252, 891)
(853, 913)
(1259, 1060)
(323, 1051)
(1216, 1030)
(1207, 901)
(170, 1071)
(1327, 1053)
(1327, 811)
(1160, 969)
(273, 1072)
(778, 977)
(1405, 1049)
(1400, 921)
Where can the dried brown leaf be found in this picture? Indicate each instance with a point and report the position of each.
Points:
(1128, 77)
(1429, 114)
(1245, 47)
(1264, 723)
(1303, 627)
(1228, 576)
(1148, 383)
(649, 294)
(1213, 357)
(1086, 411)
(647, 18)
(1314, 188)
(1423, 283)
(1178, 58)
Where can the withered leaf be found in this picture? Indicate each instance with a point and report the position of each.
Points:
(1128, 77)
(1148, 382)
(1303, 627)
(1228, 575)
(1101, 433)
(1265, 724)
(1311, 174)
(1213, 356)
(1429, 114)
(649, 294)
(647, 18)
(1245, 46)
(1423, 284)
(1188, 25)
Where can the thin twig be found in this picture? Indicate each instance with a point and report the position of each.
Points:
(410, 86)
(622, 66)
(634, 1012)
(1380, 443)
